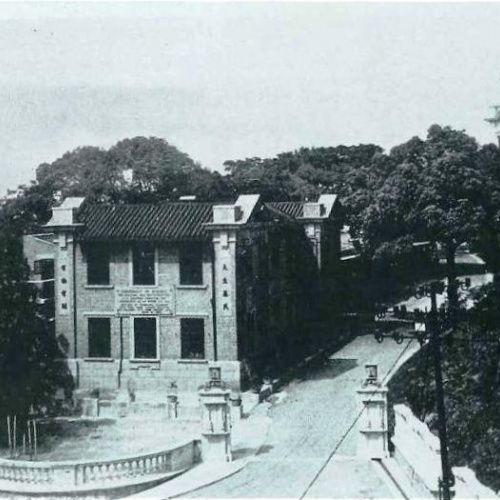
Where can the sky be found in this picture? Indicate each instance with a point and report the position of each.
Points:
(225, 80)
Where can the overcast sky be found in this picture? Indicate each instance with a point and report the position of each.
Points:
(227, 81)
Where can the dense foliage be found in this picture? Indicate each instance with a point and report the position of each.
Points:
(137, 170)
(30, 372)
(471, 373)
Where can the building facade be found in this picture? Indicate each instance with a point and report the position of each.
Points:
(147, 295)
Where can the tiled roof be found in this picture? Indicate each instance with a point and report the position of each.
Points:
(273, 213)
(159, 222)
(291, 208)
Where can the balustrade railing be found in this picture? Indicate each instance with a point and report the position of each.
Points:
(61, 475)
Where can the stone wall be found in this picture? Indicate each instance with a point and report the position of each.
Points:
(417, 451)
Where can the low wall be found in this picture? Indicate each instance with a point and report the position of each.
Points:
(418, 452)
(188, 374)
(58, 478)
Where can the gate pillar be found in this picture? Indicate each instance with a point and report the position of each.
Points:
(373, 428)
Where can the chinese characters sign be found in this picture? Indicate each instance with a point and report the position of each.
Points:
(225, 288)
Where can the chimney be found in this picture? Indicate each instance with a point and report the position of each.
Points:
(227, 214)
(64, 215)
(313, 210)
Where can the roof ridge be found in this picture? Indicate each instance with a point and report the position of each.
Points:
(157, 204)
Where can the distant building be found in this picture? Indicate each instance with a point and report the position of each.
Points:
(158, 293)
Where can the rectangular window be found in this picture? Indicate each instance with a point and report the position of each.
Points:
(98, 264)
(47, 291)
(143, 263)
(45, 268)
(191, 264)
(99, 337)
(192, 338)
(145, 338)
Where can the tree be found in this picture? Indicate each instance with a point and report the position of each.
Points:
(86, 171)
(30, 366)
(210, 186)
(306, 173)
(157, 171)
(488, 239)
(434, 192)
(262, 176)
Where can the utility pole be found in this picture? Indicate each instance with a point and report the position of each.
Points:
(447, 480)
(433, 329)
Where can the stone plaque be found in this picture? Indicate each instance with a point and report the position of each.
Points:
(145, 301)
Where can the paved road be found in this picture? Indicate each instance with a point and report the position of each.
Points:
(310, 419)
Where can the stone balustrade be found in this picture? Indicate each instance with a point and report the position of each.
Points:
(39, 476)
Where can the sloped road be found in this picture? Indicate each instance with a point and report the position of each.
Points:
(313, 417)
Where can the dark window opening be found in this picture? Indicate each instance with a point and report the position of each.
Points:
(99, 337)
(143, 263)
(98, 265)
(192, 338)
(47, 290)
(145, 341)
(191, 264)
(45, 268)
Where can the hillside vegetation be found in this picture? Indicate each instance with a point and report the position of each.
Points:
(471, 373)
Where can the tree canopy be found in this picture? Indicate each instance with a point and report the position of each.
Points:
(434, 192)
(140, 169)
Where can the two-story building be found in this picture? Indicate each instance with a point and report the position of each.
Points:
(154, 294)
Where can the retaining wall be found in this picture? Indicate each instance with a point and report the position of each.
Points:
(418, 452)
